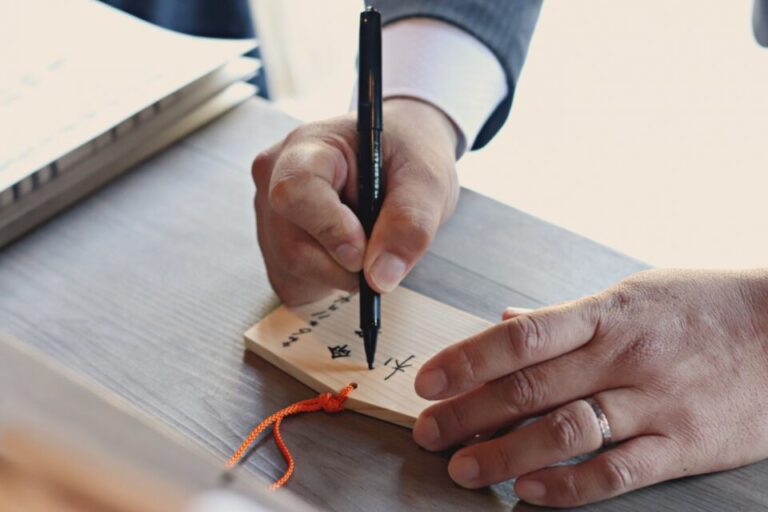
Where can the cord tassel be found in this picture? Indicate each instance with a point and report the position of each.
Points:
(328, 402)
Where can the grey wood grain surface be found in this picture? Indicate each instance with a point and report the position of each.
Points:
(148, 285)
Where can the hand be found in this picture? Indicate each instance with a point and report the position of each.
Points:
(677, 360)
(306, 187)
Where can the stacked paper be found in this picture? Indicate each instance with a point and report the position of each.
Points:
(87, 91)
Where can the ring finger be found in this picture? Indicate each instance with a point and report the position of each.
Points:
(522, 394)
(564, 433)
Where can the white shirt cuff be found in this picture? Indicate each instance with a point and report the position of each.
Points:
(442, 64)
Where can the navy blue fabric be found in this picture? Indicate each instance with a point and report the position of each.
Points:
(230, 19)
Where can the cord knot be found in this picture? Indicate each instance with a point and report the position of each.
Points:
(331, 402)
(335, 403)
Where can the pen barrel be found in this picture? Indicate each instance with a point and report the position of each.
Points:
(370, 180)
(370, 316)
(369, 121)
(369, 72)
(369, 201)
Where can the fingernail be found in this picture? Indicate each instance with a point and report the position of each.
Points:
(463, 470)
(510, 312)
(350, 257)
(426, 432)
(431, 383)
(530, 490)
(387, 271)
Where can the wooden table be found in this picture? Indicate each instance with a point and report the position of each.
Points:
(148, 286)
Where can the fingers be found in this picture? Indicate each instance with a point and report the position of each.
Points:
(299, 269)
(309, 182)
(517, 343)
(309, 239)
(304, 189)
(562, 434)
(305, 264)
(519, 395)
(418, 199)
(640, 462)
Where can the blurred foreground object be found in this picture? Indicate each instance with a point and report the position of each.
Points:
(39, 473)
(66, 444)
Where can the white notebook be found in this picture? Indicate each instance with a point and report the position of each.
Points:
(78, 76)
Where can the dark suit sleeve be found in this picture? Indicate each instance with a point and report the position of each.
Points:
(760, 22)
(504, 26)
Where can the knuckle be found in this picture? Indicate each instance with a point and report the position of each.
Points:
(570, 490)
(690, 429)
(428, 176)
(619, 475)
(297, 134)
(644, 351)
(502, 463)
(593, 308)
(521, 392)
(456, 418)
(437, 180)
(329, 229)
(467, 368)
(619, 301)
(565, 429)
(526, 336)
(260, 168)
(416, 228)
(285, 193)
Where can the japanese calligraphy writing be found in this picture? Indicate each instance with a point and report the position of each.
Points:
(315, 320)
(398, 366)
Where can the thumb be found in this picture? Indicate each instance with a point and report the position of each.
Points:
(417, 201)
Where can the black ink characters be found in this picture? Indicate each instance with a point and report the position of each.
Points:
(315, 321)
(398, 366)
(339, 351)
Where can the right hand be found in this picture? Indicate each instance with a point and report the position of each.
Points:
(306, 188)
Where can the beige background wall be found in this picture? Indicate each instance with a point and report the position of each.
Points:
(643, 125)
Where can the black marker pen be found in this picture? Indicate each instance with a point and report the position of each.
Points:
(370, 193)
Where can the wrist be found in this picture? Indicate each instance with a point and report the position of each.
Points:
(443, 133)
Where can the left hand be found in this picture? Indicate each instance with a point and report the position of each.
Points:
(677, 360)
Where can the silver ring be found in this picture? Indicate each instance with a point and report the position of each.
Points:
(602, 421)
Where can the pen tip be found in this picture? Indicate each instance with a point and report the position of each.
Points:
(370, 366)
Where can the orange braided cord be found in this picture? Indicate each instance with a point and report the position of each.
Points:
(326, 401)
